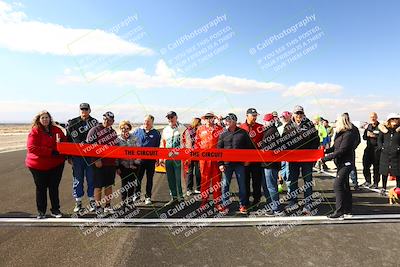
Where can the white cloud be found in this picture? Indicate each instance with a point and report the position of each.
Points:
(166, 77)
(312, 88)
(18, 33)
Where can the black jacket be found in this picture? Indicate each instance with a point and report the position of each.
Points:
(238, 139)
(78, 129)
(372, 142)
(342, 150)
(269, 142)
(389, 145)
(302, 136)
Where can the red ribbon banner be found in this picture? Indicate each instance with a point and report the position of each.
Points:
(229, 155)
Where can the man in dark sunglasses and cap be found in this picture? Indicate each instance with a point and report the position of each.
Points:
(77, 131)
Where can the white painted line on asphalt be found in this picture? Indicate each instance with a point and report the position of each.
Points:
(178, 222)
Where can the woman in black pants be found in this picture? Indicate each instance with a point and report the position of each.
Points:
(389, 146)
(45, 163)
(342, 153)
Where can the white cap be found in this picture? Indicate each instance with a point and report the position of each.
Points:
(393, 116)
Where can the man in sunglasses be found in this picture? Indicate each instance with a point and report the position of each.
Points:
(77, 131)
(303, 135)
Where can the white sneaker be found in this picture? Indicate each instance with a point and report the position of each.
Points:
(189, 193)
(197, 192)
(147, 201)
(109, 209)
(135, 198)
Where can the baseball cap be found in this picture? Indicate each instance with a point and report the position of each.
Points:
(171, 114)
(298, 109)
(393, 116)
(84, 105)
(231, 116)
(109, 115)
(275, 113)
(286, 114)
(252, 111)
(268, 117)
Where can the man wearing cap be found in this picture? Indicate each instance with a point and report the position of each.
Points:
(234, 137)
(173, 137)
(253, 171)
(104, 168)
(303, 135)
(371, 153)
(77, 130)
(207, 136)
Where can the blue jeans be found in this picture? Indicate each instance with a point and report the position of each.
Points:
(82, 167)
(285, 172)
(271, 179)
(353, 176)
(230, 168)
(294, 173)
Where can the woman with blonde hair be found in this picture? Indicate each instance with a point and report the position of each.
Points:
(45, 163)
(342, 152)
(193, 165)
(128, 169)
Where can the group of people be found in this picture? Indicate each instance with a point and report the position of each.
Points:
(287, 131)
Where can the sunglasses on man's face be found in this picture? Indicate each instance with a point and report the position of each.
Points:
(84, 109)
(170, 117)
(299, 113)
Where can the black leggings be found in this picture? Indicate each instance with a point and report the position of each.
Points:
(47, 179)
(342, 190)
(384, 181)
(128, 182)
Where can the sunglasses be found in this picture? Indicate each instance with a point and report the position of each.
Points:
(84, 109)
(299, 113)
(170, 117)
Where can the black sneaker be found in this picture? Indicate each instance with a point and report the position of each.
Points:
(41, 215)
(335, 215)
(383, 192)
(78, 207)
(374, 186)
(92, 205)
(99, 212)
(56, 214)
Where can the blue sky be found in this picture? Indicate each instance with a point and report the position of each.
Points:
(350, 62)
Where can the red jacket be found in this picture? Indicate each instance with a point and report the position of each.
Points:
(256, 133)
(40, 146)
(207, 137)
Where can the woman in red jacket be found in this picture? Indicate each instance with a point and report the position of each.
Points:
(45, 163)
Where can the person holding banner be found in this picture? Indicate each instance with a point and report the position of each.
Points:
(303, 135)
(342, 152)
(193, 168)
(147, 137)
(127, 169)
(77, 131)
(45, 163)
(254, 172)
(206, 138)
(271, 169)
(234, 137)
(173, 137)
(103, 168)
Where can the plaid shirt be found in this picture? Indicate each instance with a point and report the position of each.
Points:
(132, 141)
